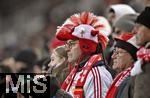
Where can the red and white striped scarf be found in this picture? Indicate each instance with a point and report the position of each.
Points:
(80, 83)
(116, 83)
(144, 53)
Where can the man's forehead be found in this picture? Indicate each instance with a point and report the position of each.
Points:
(119, 49)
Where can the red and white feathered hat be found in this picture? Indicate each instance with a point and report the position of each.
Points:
(87, 27)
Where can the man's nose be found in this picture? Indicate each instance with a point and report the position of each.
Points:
(113, 55)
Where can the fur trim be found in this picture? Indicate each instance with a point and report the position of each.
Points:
(137, 69)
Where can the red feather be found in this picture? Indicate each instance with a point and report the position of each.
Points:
(70, 27)
(99, 26)
(84, 17)
(103, 39)
(75, 20)
(93, 21)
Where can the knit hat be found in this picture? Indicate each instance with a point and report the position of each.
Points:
(144, 17)
(88, 28)
(121, 9)
(126, 22)
(26, 56)
(129, 46)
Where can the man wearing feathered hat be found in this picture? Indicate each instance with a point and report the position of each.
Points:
(85, 38)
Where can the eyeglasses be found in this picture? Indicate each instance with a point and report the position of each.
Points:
(70, 44)
(115, 51)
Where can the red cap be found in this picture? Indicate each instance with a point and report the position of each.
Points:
(55, 43)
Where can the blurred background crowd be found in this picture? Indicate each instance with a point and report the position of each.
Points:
(28, 28)
(33, 23)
